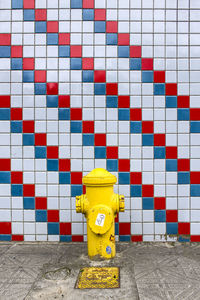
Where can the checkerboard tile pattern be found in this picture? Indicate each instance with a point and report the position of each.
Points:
(96, 83)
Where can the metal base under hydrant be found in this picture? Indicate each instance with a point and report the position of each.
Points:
(100, 206)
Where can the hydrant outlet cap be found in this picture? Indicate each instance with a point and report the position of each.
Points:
(99, 176)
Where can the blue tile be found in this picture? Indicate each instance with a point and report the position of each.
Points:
(76, 63)
(172, 228)
(53, 228)
(28, 139)
(171, 101)
(124, 178)
(16, 63)
(4, 177)
(159, 89)
(88, 76)
(64, 178)
(100, 152)
(116, 228)
(160, 216)
(99, 88)
(183, 114)
(76, 190)
(64, 51)
(76, 3)
(5, 51)
(88, 14)
(65, 238)
(112, 165)
(183, 177)
(195, 190)
(182, 239)
(171, 165)
(99, 26)
(16, 126)
(29, 203)
(124, 114)
(5, 237)
(52, 39)
(40, 88)
(195, 127)
(40, 152)
(123, 51)
(147, 203)
(52, 101)
(16, 190)
(40, 27)
(28, 76)
(17, 4)
(112, 101)
(147, 140)
(64, 114)
(159, 152)
(136, 127)
(88, 139)
(111, 39)
(4, 113)
(124, 238)
(147, 76)
(135, 64)
(29, 15)
(41, 216)
(136, 190)
(52, 164)
(76, 127)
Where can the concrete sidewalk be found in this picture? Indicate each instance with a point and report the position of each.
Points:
(147, 270)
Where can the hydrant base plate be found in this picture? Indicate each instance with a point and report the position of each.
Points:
(98, 278)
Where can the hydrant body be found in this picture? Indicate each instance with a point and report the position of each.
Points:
(100, 205)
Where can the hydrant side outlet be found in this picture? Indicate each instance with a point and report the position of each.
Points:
(100, 205)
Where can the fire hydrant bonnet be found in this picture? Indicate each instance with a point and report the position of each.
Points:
(98, 177)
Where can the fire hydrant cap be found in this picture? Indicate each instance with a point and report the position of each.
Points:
(99, 176)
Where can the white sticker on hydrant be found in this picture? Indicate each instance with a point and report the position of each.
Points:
(100, 219)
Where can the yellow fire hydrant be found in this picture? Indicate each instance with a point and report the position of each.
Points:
(100, 205)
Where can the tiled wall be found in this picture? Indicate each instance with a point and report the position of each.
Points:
(96, 83)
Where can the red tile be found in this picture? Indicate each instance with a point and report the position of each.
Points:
(194, 114)
(28, 126)
(171, 89)
(171, 216)
(88, 126)
(195, 177)
(16, 113)
(84, 189)
(124, 228)
(135, 114)
(76, 113)
(17, 238)
(77, 238)
(100, 14)
(5, 39)
(28, 63)
(123, 39)
(88, 3)
(52, 26)
(183, 228)
(40, 139)
(17, 177)
(40, 76)
(75, 51)
(52, 88)
(171, 152)
(53, 215)
(159, 139)
(111, 26)
(41, 203)
(4, 101)
(100, 139)
(147, 63)
(147, 127)
(135, 51)
(28, 190)
(87, 63)
(40, 14)
(52, 151)
(159, 203)
(124, 165)
(112, 152)
(4, 164)
(76, 177)
(64, 165)
(195, 238)
(29, 4)
(147, 190)
(65, 229)
(183, 101)
(5, 227)
(99, 76)
(117, 218)
(64, 101)
(136, 238)
(123, 101)
(183, 165)
(136, 177)
(64, 38)
(159, 76)
(111, 89)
